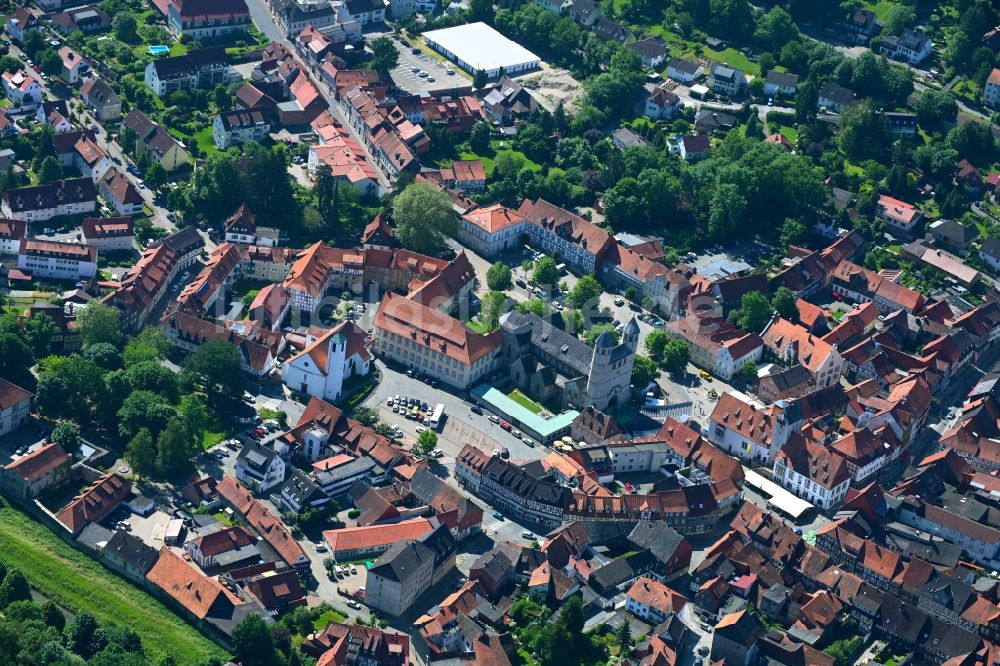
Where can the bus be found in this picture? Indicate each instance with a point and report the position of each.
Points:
(437, 416)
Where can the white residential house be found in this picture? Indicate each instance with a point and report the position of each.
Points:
(43, 202)
(15, 406)
(57, 260)
(362, 11)
(328, 359)
(812, 472)
(74, 67)
(911, 46)
(259, 467)
(780, 83)
(22, 90)
(991, 91)
(491, 230)
(750, 431)
(661, 104)
(726, 80)
(685, 71)
(235, 127)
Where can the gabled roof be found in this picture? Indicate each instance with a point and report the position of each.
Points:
(39, 462)
(198, 594)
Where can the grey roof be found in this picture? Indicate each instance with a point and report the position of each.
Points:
(726, 73)
(629, 138)
(782, 78)
(605, 28)
(912, 39)
(710, 119)
(494, 563)
(838, 94)
(191, 61)
(403, 559)
(556, 342)
(791, 377)
(94, 534)
(520, 481)
(652, 47)
(991, 247)
(622, 569)
(686, 66)
(256, 456)
(356, 467)
(658, 538)
(132, 550)
(302, 489)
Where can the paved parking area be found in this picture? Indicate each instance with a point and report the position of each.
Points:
(149, 528)
(410, 81)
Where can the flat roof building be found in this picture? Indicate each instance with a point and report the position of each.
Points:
(477, 46)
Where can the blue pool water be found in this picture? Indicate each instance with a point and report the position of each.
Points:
(159, 50)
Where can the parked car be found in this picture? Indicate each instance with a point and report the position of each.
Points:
(506, 426)
(476, 409)
(498, 515)
(353, 604)
(320, 547)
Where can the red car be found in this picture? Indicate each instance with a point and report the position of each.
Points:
(837, 296)
(260, 432)
(505, 425)
(38, 70)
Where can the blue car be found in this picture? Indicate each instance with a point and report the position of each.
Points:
(498, 515)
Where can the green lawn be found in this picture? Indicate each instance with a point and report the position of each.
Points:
(477, 326)
(5, 102)
(205, 141)
(177, 49)
(525, 401)
(880, 7)
(78, 583)
(328, 617)
(690, 49)
(788, 132)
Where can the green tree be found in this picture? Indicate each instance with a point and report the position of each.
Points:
(49, 170)
(623, 638)
(479, 138)
(748, 372)
(173, 450)
(141, 453)
(775, 29)
(727, 210)
(656, 342)
(864, 133)
(52, 616)
(479, 79)
(15, 360)
(39, 330)
(385, 57)
(104, 355)
(253, 643)
(151, 376)
(675, 356)
(795, 57)
(217, 366)
(99, 323)
(423, 217)
(755, 312)
(426, 442)
(143, 409)
(785, 303)
(644, 370)
(806, 102)
(899, 19)
(935, 106)
(126, 27)
(50, 62)
(491, 308)
(498, 277)
(66, 435)
(81, 635)
(14, 588)
(546, 273)
(793, 231)
(585, 292)
(156, 175)
(973, 141)
(194, 415)
(597, 330)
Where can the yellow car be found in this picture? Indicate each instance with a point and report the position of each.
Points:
(704, 375)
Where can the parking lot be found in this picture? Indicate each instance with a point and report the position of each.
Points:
(437, 78)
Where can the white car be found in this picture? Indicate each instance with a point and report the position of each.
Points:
(414, 69)
(619, 301)
(320, 547)
(422, 74)
(353, 604)
(420, 429)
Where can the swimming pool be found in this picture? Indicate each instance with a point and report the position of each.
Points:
(159, 50)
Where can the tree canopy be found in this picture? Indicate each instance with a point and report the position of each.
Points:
(424, 218)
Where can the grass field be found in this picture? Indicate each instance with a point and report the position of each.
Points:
(689, 50)
(78, 583)
(525, 401)
(880, 7)
(328, 617)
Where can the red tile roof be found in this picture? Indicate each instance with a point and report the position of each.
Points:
(39, 462)
(373, 536)
(269, 527)
(189, 587)
(12, 394)
(655, 594)
(98, 500)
